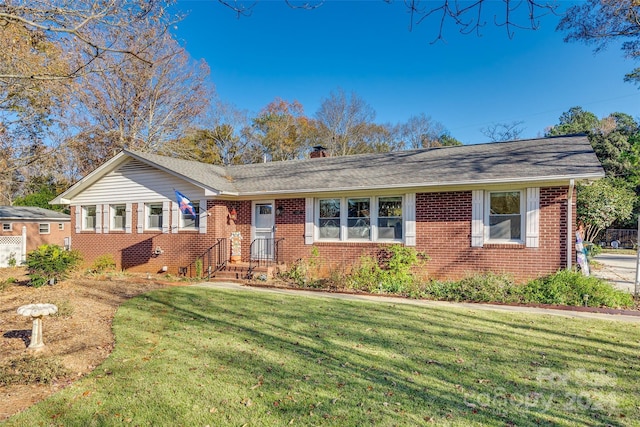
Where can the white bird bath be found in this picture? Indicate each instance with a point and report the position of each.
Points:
(36, 312)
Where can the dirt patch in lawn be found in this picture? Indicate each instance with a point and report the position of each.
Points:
(79, 336)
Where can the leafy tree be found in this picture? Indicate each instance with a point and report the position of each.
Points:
(601, 204)
(601, 22)
(282, 131)
(574, 121)
(447, 140)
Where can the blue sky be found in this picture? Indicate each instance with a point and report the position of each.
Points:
(467, 82)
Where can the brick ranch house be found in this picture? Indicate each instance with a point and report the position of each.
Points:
(24, 228)
(507, 207)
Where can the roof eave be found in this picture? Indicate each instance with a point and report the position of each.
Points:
(471, 184)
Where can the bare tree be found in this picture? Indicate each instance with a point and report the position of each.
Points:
(343, 122)
(137, 105)
(421, 131)
(468, 16)
(503, 131)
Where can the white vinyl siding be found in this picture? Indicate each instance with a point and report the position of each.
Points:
(135, 182)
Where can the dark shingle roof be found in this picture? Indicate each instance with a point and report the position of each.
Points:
(515, 161)
(31, 213)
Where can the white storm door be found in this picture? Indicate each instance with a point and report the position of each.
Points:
(263, 219)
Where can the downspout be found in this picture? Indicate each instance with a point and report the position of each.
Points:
(570, 224)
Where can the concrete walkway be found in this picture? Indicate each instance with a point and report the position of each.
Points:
(425, 303)
(619, 269)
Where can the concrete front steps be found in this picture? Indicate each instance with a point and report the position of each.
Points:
(237, 272)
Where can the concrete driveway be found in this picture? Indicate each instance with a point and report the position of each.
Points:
(619, 269)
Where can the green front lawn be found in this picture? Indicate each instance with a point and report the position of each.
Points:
(196, 357)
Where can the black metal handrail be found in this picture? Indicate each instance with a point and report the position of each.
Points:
(264, 252)
(213, 259)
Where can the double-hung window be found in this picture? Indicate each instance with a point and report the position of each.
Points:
(188, 221)
(44, 228)
(505, 216)
(6, 226)
(89, 218)
(329, 219)
(390, 218)
(154, 216)
(360, 219)
(118, 217)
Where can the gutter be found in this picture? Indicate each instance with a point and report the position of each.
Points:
(570, 224)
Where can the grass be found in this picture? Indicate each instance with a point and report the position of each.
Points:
(196, 356)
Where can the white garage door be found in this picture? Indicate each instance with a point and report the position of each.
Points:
(10, 248)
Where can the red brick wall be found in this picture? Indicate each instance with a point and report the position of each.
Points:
(34, 238)
(135, 252)
(443, 226)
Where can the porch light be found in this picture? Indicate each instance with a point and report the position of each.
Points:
(279, 210)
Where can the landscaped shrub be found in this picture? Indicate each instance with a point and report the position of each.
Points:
(305, 272)
(50, 263)
(485, 287)
(104, 263)
(390, 271)
(572, 288)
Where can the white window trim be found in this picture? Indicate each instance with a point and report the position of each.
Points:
(407, 220)
(112, 217)
(61, 226)
(487, 213)
(83, 216)
(10, 228)
(48, 228)
(147, 208)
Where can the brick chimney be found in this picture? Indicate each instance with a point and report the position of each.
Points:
(318, 151)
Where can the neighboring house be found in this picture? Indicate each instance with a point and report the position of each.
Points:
(24, 228)
(503, 207)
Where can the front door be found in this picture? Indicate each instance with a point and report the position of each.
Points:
(263, 230)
